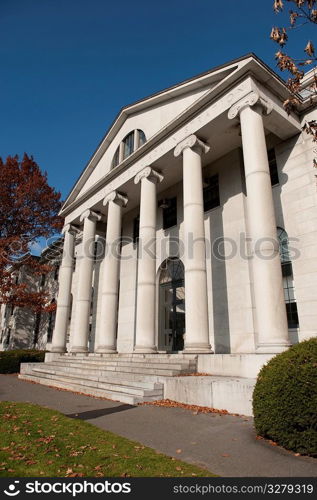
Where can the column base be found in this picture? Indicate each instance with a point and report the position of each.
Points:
(59, 349)
(272, 348)
(145, 349)
(79, 349)
(197, 348)
(104, 349)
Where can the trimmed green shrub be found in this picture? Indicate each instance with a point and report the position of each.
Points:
(285, 399)
(10, 360)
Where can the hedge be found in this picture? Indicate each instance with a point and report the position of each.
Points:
(285, 399)
(10, 360)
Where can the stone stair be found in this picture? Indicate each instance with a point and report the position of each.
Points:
(130, 379)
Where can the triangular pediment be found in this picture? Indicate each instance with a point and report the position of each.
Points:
(150, 115)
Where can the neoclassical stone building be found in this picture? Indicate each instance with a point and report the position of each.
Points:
(21, 327)
(194, 228)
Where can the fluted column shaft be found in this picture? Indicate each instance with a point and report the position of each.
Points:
(83, 299)
(146, 286)
(270, 308)
(106, 336)
(64, 290)
(196, 299)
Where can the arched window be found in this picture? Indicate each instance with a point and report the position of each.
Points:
(130, 143)
(288, 279)
(142, 138)
(115, 159)
(172, 270)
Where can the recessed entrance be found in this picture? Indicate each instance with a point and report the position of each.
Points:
(172, 306)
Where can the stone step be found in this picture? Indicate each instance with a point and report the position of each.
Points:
(134, 386)
(90, 391)
(150, 365)
(146, 370)
(114, 376)
(131, 356)
(134, 359)
(156, 390)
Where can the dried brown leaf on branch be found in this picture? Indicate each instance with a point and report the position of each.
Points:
(303, 13)
(278, 5)
(309, 49)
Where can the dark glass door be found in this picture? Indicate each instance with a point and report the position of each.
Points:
(173, 296)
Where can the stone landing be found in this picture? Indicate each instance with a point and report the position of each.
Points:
(227, 383)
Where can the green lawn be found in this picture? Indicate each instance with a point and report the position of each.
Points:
(36, 441)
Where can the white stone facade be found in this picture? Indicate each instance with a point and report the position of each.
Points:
(222, 123)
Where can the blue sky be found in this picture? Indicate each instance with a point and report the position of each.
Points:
(68, 66)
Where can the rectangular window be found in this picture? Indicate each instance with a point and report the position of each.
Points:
(292, 315)
(289, 295)
(136, 229)
(37, 321)
(211, 193)
(170, 213)
(8, 337)
(273, 167)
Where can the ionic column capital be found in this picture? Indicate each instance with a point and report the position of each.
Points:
(148, 173)
(116, 197)
(191, 142)
(251, 99)
(70, 228)
(91, 215)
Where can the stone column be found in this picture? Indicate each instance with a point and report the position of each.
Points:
(64, 290)
(196, 301)
(83, 299)
(146, 291)
(106, 336)
(270, 308)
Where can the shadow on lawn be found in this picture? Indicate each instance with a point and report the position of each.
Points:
(89, 415)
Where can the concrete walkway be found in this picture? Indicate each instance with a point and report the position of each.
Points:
(225, 445)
